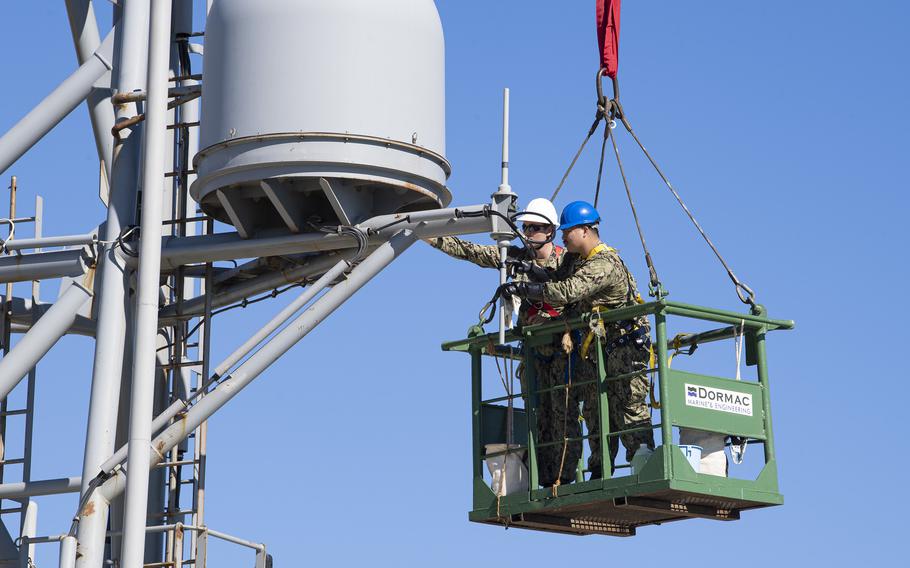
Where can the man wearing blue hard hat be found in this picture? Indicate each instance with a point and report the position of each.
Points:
(594, 278)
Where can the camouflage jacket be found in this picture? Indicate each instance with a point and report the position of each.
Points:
(487, 256)
(600, 280)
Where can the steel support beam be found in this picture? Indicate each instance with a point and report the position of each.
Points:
(44, 265)
(269, 281)
(87, 39)
(62, 100)
(42, 336)
(25, 489)
(115, 482)
(49, 242)
(144, 348)
(29, 530)
(130, 59)
(68, 552)
(177, 251)
(284, 315)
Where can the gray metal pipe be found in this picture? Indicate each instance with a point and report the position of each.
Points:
(50, 242)
(265, 356)
(62, 100)
(258, 546)
(42, 336)
(25, 313)
(68, 552)
(284, 315)
(44, 265)
(84, 27)
(196, 306)
(158, 424)
(87, 39)
(177, 251)
(25, 489)
(143, 383)
(29, 530)
(130, 57)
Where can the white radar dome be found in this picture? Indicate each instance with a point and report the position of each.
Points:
(321, 112)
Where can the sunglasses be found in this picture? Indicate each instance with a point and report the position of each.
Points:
(533, 228)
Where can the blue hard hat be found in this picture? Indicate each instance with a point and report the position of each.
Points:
(578, 213)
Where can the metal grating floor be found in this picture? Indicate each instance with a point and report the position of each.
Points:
(621, 516)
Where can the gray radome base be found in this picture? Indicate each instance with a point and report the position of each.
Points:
(269, 181)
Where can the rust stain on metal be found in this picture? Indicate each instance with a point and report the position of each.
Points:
(417, 189)
(89, 279)
(89, 509)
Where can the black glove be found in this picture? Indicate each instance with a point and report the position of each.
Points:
(534, 271)
(526, 290)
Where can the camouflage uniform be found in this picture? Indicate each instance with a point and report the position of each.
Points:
(602, 281)
(554, 420)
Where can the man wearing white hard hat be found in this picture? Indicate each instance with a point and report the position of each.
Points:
(556, 419)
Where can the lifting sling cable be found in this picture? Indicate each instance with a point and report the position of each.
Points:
(591, 131)
(600, 167)
(655, 287)
(608, 40)
(745, 293)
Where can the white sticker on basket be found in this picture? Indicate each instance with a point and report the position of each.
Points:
(719, 399)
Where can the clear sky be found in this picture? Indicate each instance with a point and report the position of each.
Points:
(783, 125)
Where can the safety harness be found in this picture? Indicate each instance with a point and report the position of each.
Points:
(544, 307)
(633, 333)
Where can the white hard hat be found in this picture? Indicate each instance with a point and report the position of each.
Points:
(543, 209)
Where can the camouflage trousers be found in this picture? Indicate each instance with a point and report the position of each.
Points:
(627, 403)
(557, 415)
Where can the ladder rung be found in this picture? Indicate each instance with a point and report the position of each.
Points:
(180, 513)
(182, 124)
(194, 77)
(8, 511)
(180, 364)
(14, 412)
(12, 461)
(178, 463)
(175, 174)
(157, 564)
(187, 481)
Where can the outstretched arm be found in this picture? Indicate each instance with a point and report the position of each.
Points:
(588, 280)
(486, 256)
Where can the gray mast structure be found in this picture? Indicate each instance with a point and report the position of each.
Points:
(325, 165)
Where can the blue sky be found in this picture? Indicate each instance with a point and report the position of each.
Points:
(783, 126)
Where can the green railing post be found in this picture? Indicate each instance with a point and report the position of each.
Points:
(476, 396)
(531, 399)
(766, 398)
(603, 407)
(663, 375)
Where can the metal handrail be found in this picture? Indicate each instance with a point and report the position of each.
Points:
(749, 321)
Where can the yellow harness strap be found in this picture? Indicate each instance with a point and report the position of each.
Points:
(600, 247)
(597, 326)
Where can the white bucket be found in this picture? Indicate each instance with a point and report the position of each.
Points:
(507, 470)
(713, 457)
(693, 454)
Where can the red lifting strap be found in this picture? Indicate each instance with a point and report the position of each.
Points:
(608, 35)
